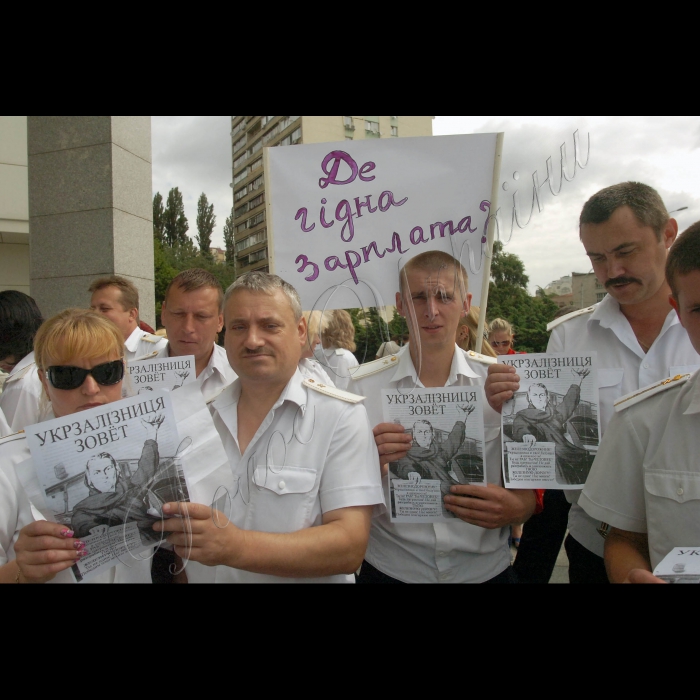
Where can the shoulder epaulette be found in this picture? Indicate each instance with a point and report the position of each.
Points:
(478, 357)
(568, 317)
(150, 338)
(12, 436)
(338, 351)
(332, 391)
(636, 396)
(20, 374)
(369, 368)
(146, 357)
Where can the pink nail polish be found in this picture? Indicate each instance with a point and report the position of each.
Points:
(67, 533)
(79, 544)
(82, 553)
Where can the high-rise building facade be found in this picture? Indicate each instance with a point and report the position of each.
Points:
(248, 137)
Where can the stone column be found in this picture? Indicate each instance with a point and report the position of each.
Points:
(90, 208)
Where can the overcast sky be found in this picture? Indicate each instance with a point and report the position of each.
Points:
(194, 154)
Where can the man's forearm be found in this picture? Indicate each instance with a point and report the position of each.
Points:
(625, 551)
(336, 547)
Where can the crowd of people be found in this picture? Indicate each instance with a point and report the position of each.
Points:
(318, 510)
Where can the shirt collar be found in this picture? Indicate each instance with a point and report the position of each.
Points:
(460, 365)
(294, 391)
(608, 314)
(132, 342)
(23, 363)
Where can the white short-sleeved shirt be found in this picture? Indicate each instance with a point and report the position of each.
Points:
(646, 477)
(449, 552)
(216, 376)
(623, 367)
(338, 363)
(21, 396)
(140, 344)
(311, 455)
(16, 512)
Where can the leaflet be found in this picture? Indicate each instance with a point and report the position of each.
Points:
(106, 472)
(550, 429)
(161, 373)
(447, 428)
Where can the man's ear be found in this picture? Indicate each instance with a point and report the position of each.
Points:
(670, 233)
(134, 315)
(220, 324)
(302, 328)
(467, 304)
(674, 303)
(399, 304)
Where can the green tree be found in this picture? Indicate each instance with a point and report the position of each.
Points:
(509, 299)
(228, 239)
(371, 330)
(158, 218)
(175, 224)
(206, 220)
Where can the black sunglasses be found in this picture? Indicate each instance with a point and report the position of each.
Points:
(66, 377)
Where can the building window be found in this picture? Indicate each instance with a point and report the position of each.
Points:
(255, 166)
(240, 143)
(239, 194)
(255, 184)
(293, 138)
(241, 210)
(241, 159)
(394, 130)
(249, 241)
(600, 296)
(241, 176)
(348, 123)
(372, 127)
(266, 120)
(257, 201)
(239, 127)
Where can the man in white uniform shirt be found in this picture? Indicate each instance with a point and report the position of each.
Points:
(305, 473)
(20, 400)
(193, 316)
(473, 548)
(644, 482)
(118, 299)
(626, 232)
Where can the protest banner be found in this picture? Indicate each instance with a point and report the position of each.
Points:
(550, 427)
(344, 217)
(447, 427)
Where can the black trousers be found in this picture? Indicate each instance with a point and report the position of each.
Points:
(584, 566)
(369, 574)
(543, 535)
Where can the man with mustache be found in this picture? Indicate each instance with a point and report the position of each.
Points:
(627, 233)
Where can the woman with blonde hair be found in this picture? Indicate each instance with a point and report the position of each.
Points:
(80, 359)
(501, 336)
(309, 364)
(338, 346)
(466, 333)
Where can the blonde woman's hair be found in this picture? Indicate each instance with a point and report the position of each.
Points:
(471, 323)
(76, 334)
(339, 333)
(500, 324)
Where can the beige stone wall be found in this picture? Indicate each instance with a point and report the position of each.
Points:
(14, 215)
